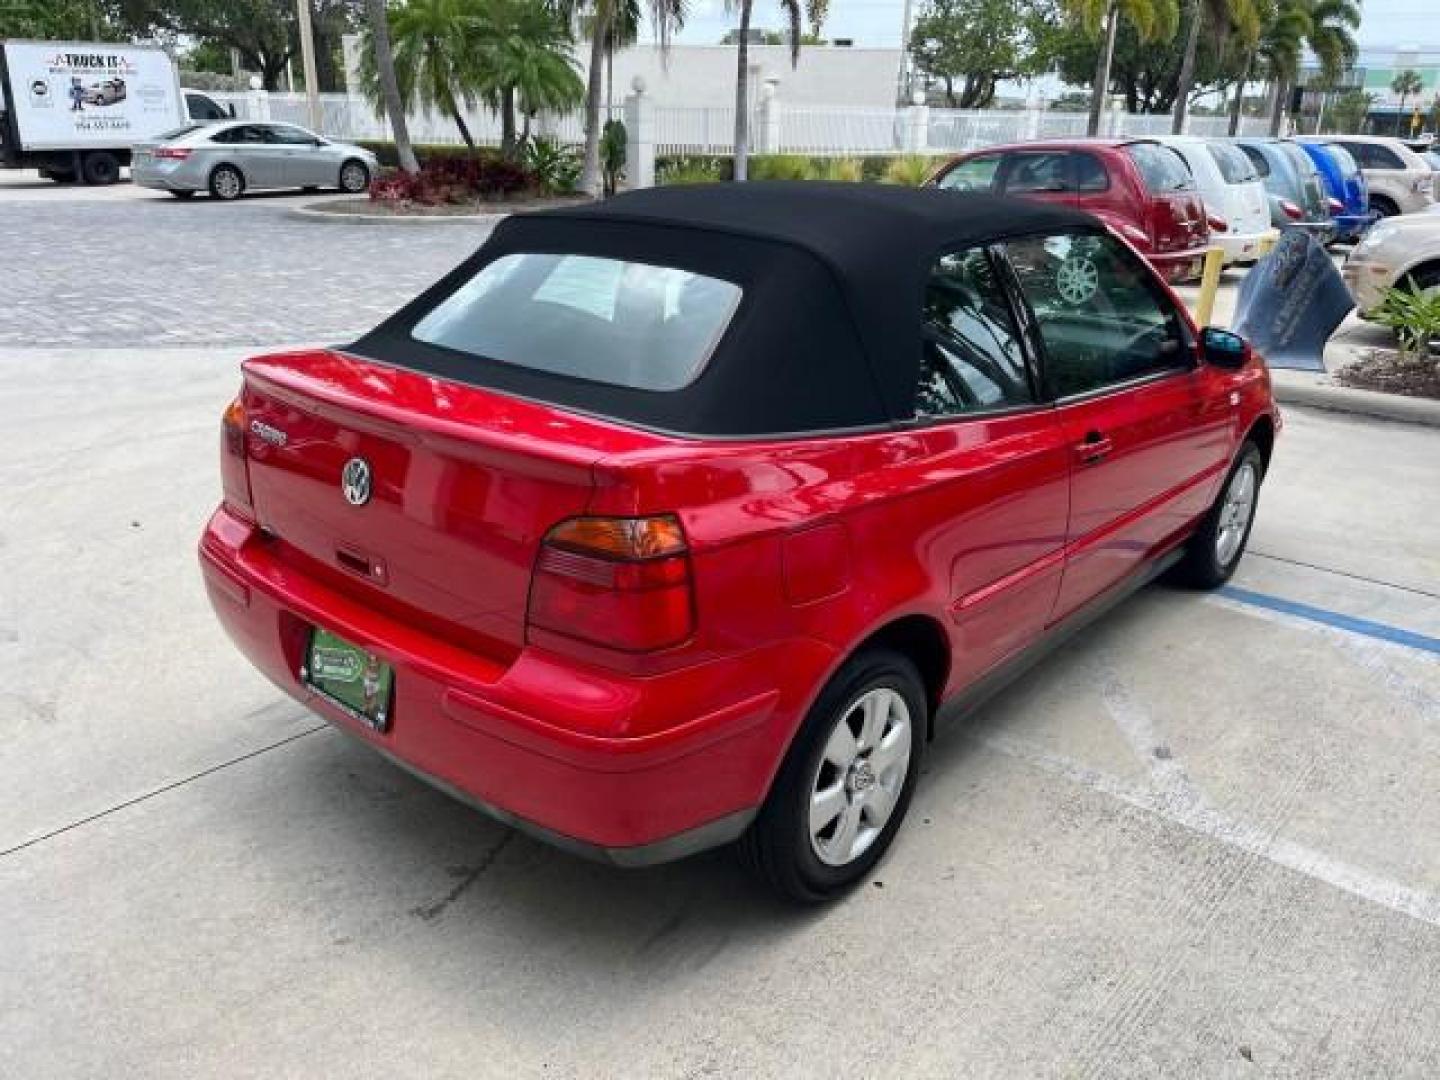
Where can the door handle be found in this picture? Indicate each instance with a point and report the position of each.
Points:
(1094, 447)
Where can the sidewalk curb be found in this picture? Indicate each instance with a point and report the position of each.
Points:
(1296, 389)
(314, 214)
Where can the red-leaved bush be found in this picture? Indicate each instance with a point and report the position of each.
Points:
(454, 180)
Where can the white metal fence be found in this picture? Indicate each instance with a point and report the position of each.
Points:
(776, 127)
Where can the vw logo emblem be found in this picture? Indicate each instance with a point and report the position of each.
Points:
(355, 481)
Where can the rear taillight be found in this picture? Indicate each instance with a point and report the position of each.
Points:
(234, 473)
(1335, 206)
(1217, 223)
(621, 583)
(1290, 210)
(174, 153)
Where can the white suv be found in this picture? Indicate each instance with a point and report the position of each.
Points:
(1399, 179)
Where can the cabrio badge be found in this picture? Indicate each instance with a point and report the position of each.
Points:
(355, 481)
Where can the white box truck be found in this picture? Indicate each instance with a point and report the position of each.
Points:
(73, 109)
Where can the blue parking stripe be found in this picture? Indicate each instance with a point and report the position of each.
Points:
(1382, 631)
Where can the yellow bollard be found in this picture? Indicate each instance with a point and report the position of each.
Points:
(1209, 285)
(1267, 243)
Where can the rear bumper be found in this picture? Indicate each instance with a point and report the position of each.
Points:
(1323, 231)
(1243, 247)
(539, 742)
(1353, 226)
(1179, 265)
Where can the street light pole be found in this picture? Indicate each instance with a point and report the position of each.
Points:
(902, 77)
(307, 58)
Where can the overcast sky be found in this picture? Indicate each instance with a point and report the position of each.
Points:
(1387, 23)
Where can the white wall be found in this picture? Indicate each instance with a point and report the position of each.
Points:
(704, 75)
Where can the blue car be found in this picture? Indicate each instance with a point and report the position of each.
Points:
(1345, 185)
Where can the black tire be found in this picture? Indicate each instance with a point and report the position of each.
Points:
(182, 194)
(354, 177)
(100, 168)
(1202, 566)
(1384, 206)
(778, 847)
(220, 185)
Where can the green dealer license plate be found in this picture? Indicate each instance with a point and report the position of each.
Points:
(357, 681)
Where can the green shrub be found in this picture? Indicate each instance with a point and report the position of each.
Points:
(1414, 315)
(690, 170)
(841, 170)
(779, 167)
(912, 170)
(385, 151)
(553, 166)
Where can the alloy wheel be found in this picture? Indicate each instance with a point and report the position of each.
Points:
(860, 776)
(1235, 513)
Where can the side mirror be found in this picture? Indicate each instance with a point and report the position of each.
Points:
(1224, 348)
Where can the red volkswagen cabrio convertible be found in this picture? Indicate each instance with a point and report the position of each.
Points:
(675, 520)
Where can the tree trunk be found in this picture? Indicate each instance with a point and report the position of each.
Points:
(742, 94)
(389, 86)
(1277, 111)
(459, 119)
(1400, 118)
(1100, 89)
(950, 91)
(507, 123)
(1237, 106)
(590, 179)
(1187, 71)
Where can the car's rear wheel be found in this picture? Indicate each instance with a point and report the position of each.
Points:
(1426, 279)
(1383, 206)
(844, 787)
(354, 177)
(1213, 552)
(100, 168)
(226, 182)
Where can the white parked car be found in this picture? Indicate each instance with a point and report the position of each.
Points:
(1233, 193)
(1400, 180)
(1403, 251)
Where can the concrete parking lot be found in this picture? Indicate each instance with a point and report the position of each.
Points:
(1203, 840)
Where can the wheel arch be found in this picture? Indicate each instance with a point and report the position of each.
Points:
(923, 640)
(1262, 434)
(1423, 267)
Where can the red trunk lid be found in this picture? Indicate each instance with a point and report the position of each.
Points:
(464, 484)
(1177, 221)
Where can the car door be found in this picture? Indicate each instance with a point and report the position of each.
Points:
(1149, 429)
(305, 159)
(995, 466)
(254, 152)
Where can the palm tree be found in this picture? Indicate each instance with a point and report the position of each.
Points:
(1276, 52)
(1235, 22)
(389, 87)
(1153, 19)
(600, 18)
(791, 9)
(522, 59)
(435, 56)
(1330, 27)
(1406, 83)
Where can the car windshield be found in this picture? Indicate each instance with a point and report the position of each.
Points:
(1161, 168)
(1235, 167)
(624, 323)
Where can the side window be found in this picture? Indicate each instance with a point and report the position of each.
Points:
(1382, 157)
(1102, 317)
(1034, 173)
(1090, 174)
(972, 359)
(977, 174)
(1262, 167)
(290, 136)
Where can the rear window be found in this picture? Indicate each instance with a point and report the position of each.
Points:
(1234, 166)
(623, 323)
(1341, 156)
(1302, 161)
(1257, 159)
(1161, 168)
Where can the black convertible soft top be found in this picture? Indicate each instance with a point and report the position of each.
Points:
(828, 335)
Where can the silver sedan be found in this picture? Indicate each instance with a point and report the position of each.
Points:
(230, 158)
